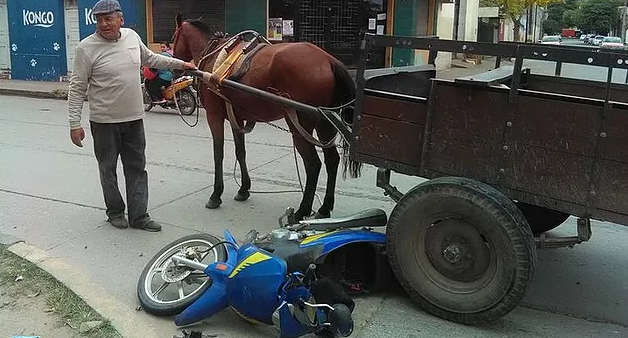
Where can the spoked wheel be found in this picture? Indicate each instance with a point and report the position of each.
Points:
(461, 249)
(148, 102)
(187, 102)
(165, 288)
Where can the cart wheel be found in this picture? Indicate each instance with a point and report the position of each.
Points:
(541, 219)
(461, 249)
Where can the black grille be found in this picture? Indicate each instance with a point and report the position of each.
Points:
(333, 25)
(212, 12)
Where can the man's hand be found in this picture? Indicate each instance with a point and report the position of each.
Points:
(189, 65)
(77, 135)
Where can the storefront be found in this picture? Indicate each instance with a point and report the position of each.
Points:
(37, 39)
(334, 25)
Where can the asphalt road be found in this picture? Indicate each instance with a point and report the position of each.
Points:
(50, 196)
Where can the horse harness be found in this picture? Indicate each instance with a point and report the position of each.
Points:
(238, 54)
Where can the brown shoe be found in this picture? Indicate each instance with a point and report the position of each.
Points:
(149, 226)
(119, 222)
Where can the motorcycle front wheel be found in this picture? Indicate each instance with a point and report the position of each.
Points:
(165, 288)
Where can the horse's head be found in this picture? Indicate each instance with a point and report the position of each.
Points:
(193, 38)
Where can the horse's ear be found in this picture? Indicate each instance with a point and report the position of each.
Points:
(179, 19)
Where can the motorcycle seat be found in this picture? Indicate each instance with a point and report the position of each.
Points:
(367, 218)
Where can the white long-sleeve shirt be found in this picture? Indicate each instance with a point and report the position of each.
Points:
(108, 72)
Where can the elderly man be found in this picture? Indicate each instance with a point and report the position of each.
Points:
(107, 70)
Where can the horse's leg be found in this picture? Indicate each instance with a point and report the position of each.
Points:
(215, 119)
(332, 159)
(312, 169)
(240, 151)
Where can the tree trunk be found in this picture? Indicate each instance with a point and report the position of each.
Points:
(516, 29)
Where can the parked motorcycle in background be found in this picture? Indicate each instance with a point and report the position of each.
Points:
(180, 95)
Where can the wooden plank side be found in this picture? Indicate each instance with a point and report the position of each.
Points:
(392, 140)
(399, 110)
(548, 173)
(612, 187)
(466, 131)
(576, 87)
(556, 125)
(616, 129)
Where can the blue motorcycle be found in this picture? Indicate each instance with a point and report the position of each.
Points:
(297, 277)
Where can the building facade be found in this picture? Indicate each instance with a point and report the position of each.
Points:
(38, 38)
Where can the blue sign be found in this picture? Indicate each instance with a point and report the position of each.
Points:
(37, 39)
(87, 22)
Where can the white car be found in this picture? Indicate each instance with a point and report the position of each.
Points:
(597, 40)
(612, 42)
(551, 40)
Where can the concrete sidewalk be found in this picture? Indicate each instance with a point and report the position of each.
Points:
(37, 89)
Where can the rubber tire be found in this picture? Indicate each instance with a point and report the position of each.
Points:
(193, 99)
(541, 219)
(175, 308)
(145, 96)
(500, 215)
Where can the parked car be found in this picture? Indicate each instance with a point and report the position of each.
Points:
(597, 40)
(551, 40)
(612, 42)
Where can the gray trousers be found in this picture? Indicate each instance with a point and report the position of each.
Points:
(127, 140)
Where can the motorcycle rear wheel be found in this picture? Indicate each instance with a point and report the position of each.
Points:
(187, 102)
(154, 270)
(148, 101)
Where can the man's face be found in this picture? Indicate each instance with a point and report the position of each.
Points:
(109, 24)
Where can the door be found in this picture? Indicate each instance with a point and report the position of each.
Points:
(87, 22)
(37, 37)
(5, 59)
(71, 31)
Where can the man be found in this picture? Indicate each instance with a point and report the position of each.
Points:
(107, 70)
(162, 80)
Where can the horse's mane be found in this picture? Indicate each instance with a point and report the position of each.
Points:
(204, 28)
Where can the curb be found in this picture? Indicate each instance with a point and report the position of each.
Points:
(56, 94)
(128, 322)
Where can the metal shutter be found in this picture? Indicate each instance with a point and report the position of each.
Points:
(212, 12)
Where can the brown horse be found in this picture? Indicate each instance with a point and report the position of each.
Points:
(300, 71)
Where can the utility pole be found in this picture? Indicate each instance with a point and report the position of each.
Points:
(623, 22)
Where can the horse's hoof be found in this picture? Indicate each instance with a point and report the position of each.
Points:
(242, 196)
(213, 204)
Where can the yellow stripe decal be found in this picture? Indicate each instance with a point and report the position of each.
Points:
(312, 238)
(252, 259)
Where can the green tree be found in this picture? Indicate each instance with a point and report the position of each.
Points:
(550, 27)
(570, 18)
(599, 16)
(515, 9)
(563, 12)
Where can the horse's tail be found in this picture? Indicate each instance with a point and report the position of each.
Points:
(344, 93)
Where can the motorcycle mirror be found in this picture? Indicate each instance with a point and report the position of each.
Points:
(340, 319)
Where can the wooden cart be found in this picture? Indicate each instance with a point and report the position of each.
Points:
(509, 155)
